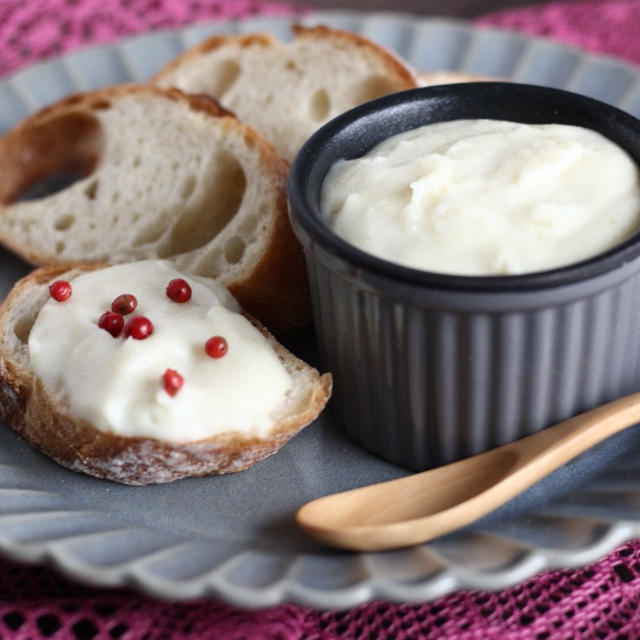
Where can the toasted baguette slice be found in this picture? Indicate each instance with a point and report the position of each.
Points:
(32, 410)
(428, 78)
(166, 176)
(286, 91)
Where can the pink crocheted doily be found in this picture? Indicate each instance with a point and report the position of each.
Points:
(601, 601)
(31, 30)
(602, 27)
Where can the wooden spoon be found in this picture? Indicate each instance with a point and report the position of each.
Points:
(426, 505)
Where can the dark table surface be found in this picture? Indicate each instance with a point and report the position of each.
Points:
(458, 8)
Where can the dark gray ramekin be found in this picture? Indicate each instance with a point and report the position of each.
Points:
(429, 368)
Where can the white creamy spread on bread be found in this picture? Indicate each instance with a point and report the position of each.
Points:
(486, 197)
(115, 383)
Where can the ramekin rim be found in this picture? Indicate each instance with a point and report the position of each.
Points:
(305, 223)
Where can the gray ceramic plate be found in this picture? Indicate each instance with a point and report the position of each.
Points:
(233, 537)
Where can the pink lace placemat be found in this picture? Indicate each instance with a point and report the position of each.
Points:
(609, 27)
(600, 601)
(32, 30)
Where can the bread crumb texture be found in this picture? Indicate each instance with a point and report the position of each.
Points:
(287, 91)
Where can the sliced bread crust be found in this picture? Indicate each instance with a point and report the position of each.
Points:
(166, 175)
(287, 91)
(32, 410)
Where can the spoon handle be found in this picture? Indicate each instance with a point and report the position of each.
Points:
(556, 445)
(538, 455)
(426, 505)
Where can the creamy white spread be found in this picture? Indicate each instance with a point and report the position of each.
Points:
(115, 383)
(486, 197)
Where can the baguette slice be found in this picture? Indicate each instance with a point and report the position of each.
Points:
(166, 176)
(32, 410)
(287, 91)
(428, 78)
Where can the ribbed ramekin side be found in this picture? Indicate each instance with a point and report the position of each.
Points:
(421, 385)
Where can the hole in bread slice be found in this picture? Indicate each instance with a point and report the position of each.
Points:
(234, 250)
(320, 105)
(225, 74)
(209, 211)
(371, 87)
(49, 156)
(249, 225)
(91, 190)
(22, 328)
(48, 185)
(64, 222)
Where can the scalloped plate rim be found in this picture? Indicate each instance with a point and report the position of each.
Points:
(287, 588)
